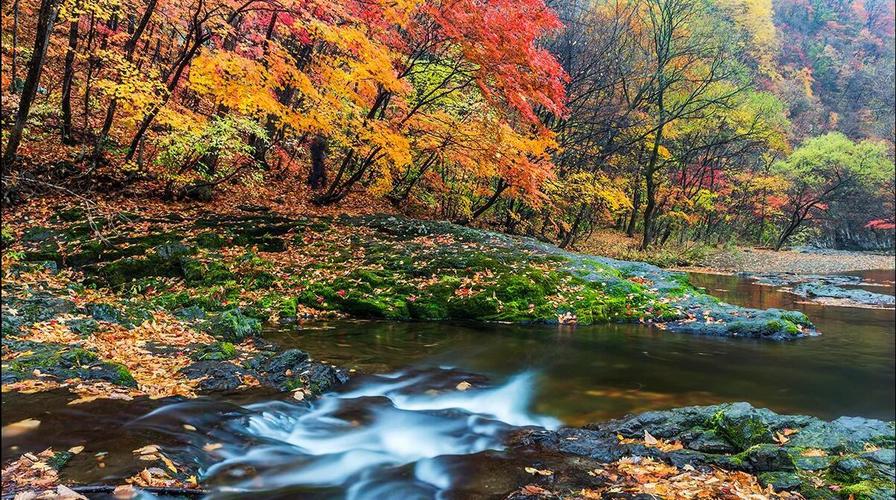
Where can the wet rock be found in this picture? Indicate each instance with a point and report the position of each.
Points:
(83, 326)
(105, 312)
(41, 306)
(883, 456)
(292, 369)
(218, 376)
(174, 250)
(769, 457)
(780, 481)
(711, 442)
(715, 435)
(811, 463)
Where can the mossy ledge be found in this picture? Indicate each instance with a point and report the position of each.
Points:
(380, 266)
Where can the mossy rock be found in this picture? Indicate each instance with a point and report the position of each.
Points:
(126, 270)
(780, 481)
(64, 362)
(233, 326)
(869, 490)
(37, 234)
(206, 273)
(218, 351)
(210, 240)
(742, 430)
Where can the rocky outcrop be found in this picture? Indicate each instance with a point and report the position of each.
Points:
(850, 456)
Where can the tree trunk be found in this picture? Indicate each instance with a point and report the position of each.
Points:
(15, 47)
(502, 186)
(636, 207)
(67, 78)
(129, 47)
(46, 17)
(317, 177)
(200, 38)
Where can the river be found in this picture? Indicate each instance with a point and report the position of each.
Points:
(402, 427)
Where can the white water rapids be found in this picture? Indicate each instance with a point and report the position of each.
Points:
(388, 437)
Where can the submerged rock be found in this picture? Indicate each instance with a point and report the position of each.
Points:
(825, 291)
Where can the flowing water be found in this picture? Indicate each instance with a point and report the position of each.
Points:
(405, 430)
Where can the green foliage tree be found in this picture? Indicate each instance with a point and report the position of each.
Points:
(825, 170)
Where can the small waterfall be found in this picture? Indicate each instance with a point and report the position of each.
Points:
(388, 437)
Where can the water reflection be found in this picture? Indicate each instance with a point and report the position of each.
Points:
(606, 371)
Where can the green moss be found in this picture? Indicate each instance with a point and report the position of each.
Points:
(868, 490)
(790, 328)
(128, 269)
(288, 307)
(60, 459)
(743, 432)
(209, 240)
(6, 237)
(123, 375)
(233, 326)
(294, 384)
(206, 273)
(218, 351)
(797, 318)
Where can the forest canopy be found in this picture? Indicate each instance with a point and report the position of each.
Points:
(770, 122)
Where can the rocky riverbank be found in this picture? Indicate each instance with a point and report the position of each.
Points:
(674, 453)
(797, 261)
(160, 305)
(830, 289)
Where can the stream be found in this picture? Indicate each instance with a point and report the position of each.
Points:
(429, 405)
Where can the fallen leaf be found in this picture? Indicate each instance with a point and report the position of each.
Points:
(814, 452)
(124, 492)
(21, 427)
(540, 472)
(146, 450)
(212, 446)
(68, 493)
